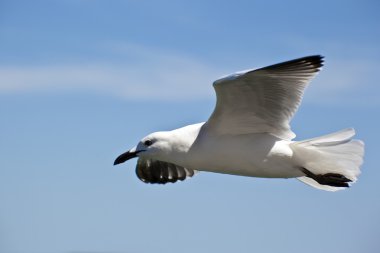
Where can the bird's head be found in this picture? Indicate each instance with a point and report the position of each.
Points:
(156, 145)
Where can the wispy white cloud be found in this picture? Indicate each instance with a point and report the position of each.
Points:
(148, 73)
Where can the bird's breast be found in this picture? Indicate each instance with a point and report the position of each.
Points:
(257, 155)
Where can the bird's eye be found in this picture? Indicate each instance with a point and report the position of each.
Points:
(148, 143)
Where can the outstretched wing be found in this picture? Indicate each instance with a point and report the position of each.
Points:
(262, 100)
(158, 172)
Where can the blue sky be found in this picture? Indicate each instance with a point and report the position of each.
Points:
(82, 81)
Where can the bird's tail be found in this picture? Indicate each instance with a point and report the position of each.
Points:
(330, 162)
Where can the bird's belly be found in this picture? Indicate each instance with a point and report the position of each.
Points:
(273, 168)
(254, 156)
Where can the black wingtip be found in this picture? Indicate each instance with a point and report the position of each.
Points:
(311, 63)
(316, 60)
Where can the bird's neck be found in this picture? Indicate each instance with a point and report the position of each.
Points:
(181, 141)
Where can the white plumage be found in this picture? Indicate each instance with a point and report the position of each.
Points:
(249, 134)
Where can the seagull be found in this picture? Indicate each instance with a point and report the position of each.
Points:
(248, 134)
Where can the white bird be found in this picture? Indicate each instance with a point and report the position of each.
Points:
(248, 134)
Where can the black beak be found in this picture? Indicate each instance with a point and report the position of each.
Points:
(125, 157)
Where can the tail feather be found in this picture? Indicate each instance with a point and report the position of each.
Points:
(335, 153)
(330, 139)
(315, 184)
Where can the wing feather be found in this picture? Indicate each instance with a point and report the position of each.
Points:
(159, 172)
(262, 100)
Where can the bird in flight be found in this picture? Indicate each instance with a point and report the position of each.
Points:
(248, 134)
